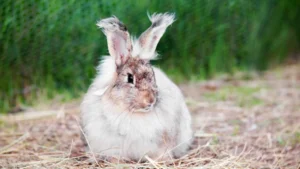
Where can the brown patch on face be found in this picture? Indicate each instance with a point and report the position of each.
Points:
(145, 98)
(139, 95)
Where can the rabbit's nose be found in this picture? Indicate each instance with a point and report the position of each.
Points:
(148, 102)
(148, 99)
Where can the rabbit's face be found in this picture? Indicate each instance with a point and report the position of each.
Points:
(135, 87)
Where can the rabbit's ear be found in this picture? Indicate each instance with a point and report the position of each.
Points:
(150, 38)
(118, 39)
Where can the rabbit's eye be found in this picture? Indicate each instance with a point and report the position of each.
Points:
(130, 78)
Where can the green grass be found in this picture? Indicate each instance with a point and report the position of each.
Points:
(289, 138)
(243, 96)
(55, 45)
(296, 139)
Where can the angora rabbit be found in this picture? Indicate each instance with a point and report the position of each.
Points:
(132, 109)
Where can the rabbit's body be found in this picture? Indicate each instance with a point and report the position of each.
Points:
(146, 117)
(132, 135)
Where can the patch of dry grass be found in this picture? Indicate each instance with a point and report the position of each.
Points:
(227, 134)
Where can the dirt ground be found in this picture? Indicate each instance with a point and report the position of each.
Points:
(247, 120)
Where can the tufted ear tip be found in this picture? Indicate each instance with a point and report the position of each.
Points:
(164, 19)
(149, 39)
(111, 24)
(118, 38)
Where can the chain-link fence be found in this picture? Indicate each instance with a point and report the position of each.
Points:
(54, 45)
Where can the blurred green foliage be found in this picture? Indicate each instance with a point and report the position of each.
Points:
(55, 45)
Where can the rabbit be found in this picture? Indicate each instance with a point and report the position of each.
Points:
(132, 110)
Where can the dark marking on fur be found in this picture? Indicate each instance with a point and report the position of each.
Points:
(156, 23)
(122, 27)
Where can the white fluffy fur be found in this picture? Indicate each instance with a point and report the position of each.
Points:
(167, 18)
(111, 132)
(108, 24)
